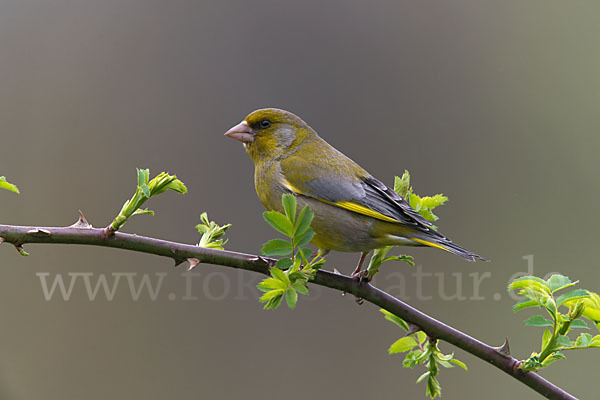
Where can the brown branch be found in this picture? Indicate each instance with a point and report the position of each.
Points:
(83, 233)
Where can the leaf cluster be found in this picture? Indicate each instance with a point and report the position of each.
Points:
(146, 188)
(211, 233)
(423, 205)
(8, 186)
(422, 350)
(577, 302)
(290, 274)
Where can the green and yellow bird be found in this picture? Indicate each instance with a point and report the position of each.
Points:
(354, 212)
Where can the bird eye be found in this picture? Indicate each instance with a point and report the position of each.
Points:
(265, 123)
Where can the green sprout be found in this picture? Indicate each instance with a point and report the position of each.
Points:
(421, 350)
(8, 186)
(211, 233)
(578, 302)
(146, 188)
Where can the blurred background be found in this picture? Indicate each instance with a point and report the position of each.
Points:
(494, 104)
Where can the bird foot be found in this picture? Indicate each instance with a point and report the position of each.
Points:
(362, 276)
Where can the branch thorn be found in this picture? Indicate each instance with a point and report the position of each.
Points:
(193, 263)
(268, 261)
(82, 222)
(504, 349)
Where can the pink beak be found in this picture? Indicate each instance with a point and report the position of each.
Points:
(241, 132)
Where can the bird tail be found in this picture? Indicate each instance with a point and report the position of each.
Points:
(446, 244)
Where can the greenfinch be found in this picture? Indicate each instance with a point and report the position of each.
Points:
(354, 212)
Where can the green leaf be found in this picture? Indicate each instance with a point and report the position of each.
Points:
(305, 253)
(584, 340)
(289, 206)
(144, 211)
(201, 228)
(431, 202)
(563, 341)
(274, 302)
(433, 387)
(269, 284)
(317, 263)
(271, 294)
(550, 306)
(291, 298)
(8, 186)
(428, 215)
(284, 263)
(532, 363)
(305, 238)
(526, 303)
(572, 295)
(143, 176)
(396, 320)
(558, 282)
(578, 323)
(538, 320)
(553, 357)
(177, 186)
(402, 185)
(146, 190)
(303, 222)
(403, 257)
(423, 376)
(403, 344)
(412, 358)
(459, 363)
(279, 274)
(277, 247)
(442, 357)
(421, 337)
(163, 182)
(279, 222)
(300, 287)
(530, 282)
(414, 201)
(546, 338)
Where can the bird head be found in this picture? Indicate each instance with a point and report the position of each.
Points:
(270, 132)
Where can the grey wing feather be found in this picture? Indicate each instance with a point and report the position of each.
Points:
(335, 189)
(382, 199)
(370, 193)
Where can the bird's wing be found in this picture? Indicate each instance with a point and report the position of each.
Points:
(342, 183)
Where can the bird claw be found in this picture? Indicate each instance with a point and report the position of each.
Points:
(363, 276)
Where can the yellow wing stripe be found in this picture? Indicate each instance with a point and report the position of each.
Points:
(431, 244)
(291, 187)
(348, 205)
